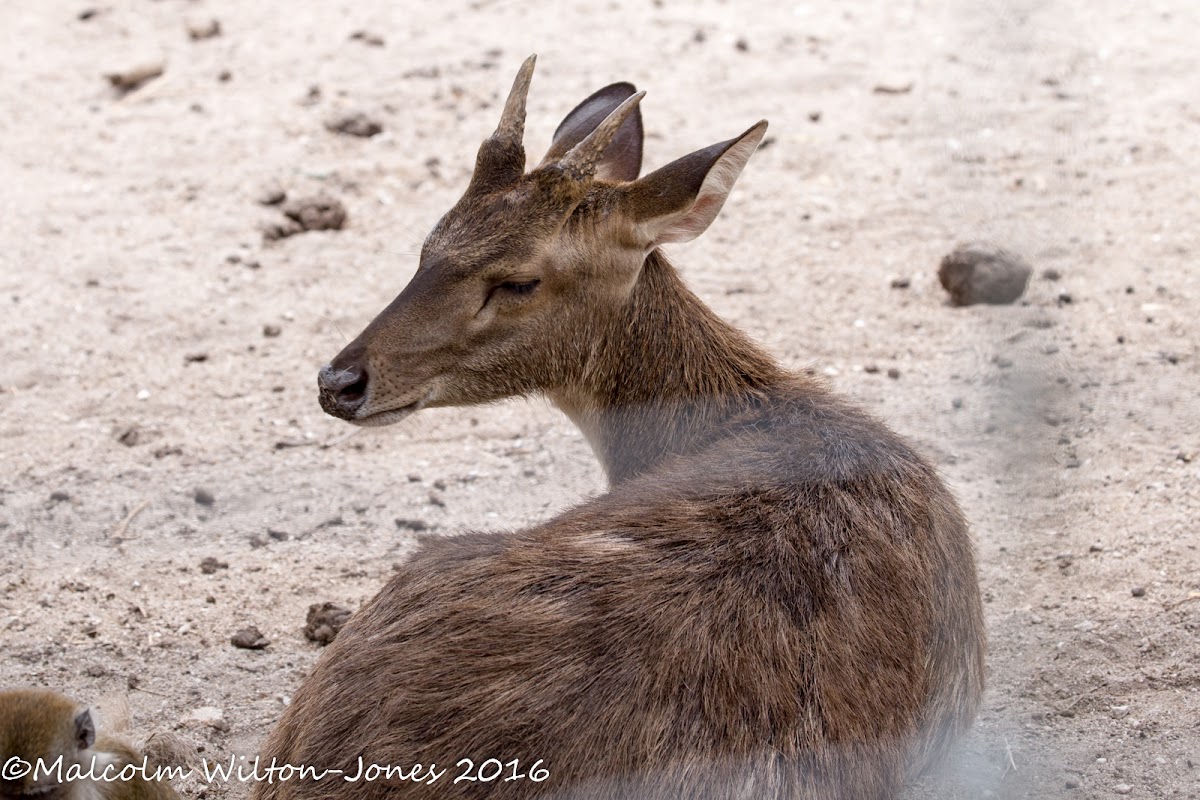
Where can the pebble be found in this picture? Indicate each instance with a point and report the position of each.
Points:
(1138, 591)
(203, 497)
(355, 123)
(271, 331)
(209, 565)
(1122, 788)
(126, 80)
(209, 716)
(203, 29)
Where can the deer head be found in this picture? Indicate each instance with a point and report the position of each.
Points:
(517, 281)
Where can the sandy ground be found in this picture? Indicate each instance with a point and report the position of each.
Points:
(136, 378)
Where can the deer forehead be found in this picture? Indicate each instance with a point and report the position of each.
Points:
(530, 217)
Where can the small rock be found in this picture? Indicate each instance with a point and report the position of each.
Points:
(1051, 274)
(130, 436)
(323, 622)
(86, 14)
(901, 283)
(893, 88)
(250, 638)
(271, 331)
(209, 565)
(272, 195)
(126, 80)
(1118, 712)
(95, 671)
(893, 373)
(203, 497)
(814, 116)
(355, 123)
(368, 38)
(209, 716)
(956, 403)
(982, 273)
(224, 76)
(1122, 788)
(279, 536)
(59, 496)
(206, 29)
(1086, 626)
(436, 500)
(1138, 591)
(195, 358)
(415, 525)
(742, 46)
(1065, 299)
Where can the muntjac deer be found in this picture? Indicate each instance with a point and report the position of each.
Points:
(776, 598)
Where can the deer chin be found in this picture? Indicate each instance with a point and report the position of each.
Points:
(390, 416)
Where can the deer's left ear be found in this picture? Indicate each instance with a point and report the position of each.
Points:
(622, 160)
(678, 202)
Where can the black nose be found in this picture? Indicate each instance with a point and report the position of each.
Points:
(342, 390)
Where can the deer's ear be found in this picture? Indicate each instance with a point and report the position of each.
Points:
(85, 730)
(679, 201)
(622, 159)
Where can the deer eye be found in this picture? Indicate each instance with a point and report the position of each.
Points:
(518, 287)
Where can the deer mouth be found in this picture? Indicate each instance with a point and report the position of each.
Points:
(390, 416)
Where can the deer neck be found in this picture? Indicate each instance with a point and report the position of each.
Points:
(664, 377)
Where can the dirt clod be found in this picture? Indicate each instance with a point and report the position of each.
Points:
(323, 622)
(1138, 591)
(199, 30)
(983, 273)
(415, 525)
(316, 213)
(355, 123)
(249, 638)
(368, 38)
(210, 565)
(130, 436)
(203, 497)
(271, 331)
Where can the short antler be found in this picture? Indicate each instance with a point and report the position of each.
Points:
(579, 163)
(501, 158)
(512, 121)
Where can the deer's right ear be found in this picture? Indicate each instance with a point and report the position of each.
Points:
(622, 159)
(678, 202)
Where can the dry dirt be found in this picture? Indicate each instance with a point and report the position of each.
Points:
(157, 381)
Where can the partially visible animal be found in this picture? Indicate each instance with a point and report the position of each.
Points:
(49, 750)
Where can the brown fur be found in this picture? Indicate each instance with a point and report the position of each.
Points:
(42, 724)
(775, 599)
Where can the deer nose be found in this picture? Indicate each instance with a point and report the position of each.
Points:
(343, 391)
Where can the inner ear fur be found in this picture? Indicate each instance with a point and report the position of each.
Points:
(678, 202)
(622, 159)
